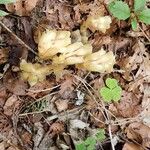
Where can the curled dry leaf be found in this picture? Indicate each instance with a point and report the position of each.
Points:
(22, 8)
(51, 41)
(34, 73)
(100, 61)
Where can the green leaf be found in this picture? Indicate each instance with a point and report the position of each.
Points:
(89, 141)
(144, 16)
(91, 147)
(80, 146)
(3, 13)
(7, 1)
(134, 24)
(139, 5)
(119, 10)
(100, 135)
(111, 83)
(116, 93)
(106, 94)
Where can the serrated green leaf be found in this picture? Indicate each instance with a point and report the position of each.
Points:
(80, 146)
(134, 24)
(116, 93)
(100, 135)
(111, 83)
(119, 10)
(3, 13)
(106, 94)
(144, 16)
(7, 1)
(139, 5)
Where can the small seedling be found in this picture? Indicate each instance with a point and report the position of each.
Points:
(90, 142)
(112, 91)
(3, 13)
(121, 10)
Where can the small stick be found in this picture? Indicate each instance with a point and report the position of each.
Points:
(17, 38)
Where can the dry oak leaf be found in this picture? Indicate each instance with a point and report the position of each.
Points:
(51, 41)
(22, 8)
(34, 73)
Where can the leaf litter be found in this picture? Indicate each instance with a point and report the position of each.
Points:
(51, 100)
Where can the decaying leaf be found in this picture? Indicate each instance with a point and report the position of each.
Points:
(51, 41)
(140, 133)
(132, 146)
(11, 103)
(34, 73)
(22, 8)
(100, 61)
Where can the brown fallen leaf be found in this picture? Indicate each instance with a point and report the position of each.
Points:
(38, 90)
(10, 105)
(14, 84)
(3, 55)
(3, 95)
(61, 105)
(127, 107)
(132, 146)
(57, 128)
(22, 8)
(140, 133)
(67, 88)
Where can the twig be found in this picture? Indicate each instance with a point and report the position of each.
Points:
(17, 38)
(110, 134)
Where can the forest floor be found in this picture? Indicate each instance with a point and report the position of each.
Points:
(62, 112)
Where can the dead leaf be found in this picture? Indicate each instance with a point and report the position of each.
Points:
(57, 128)
(67, 88)
(127, 107)
(132, 146)
(38, 90)
(10, 105)
(61, 105)
(22, 8)
(3, 95)
(14, 84)
(139, 132)
(3, 55)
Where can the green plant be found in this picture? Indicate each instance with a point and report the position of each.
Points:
(112, 91)
(3, 13)
(140, 12)
(90, 142)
